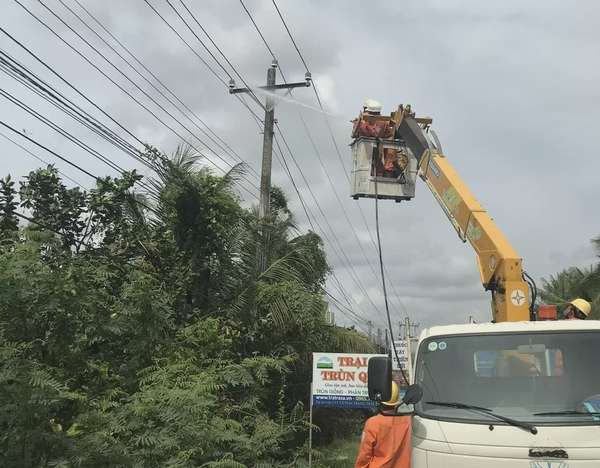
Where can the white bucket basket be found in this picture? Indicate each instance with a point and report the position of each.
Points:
(394, 166)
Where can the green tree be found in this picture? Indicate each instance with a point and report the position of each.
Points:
(574, 282)
(8, 206)
(137, 332)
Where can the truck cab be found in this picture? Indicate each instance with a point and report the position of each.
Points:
(542, 375)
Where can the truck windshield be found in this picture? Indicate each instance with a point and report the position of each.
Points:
(540, 378)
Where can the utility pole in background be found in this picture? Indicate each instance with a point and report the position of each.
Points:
(264, 206)
(410, 328)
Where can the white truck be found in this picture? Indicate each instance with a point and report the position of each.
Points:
(512, 394)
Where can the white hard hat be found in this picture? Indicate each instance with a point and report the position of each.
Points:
(371, 105)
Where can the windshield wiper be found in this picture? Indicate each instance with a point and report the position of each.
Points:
(568, 413)
(528, 427)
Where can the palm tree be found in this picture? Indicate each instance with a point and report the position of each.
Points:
(574, 282)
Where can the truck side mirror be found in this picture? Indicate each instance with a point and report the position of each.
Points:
(380, 378)
(413, 395)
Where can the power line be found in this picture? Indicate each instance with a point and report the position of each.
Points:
(323, 233)
(79, 168)
(66, 134)
(136, 86)
(189, 46)
(218, 50)
(387, 308)
(305, 126)
(71, 110)
(328, 124)
(290, 35)
(28, 79)
(354, 275)
(38, 158)
(222, 144)
(70, 85)
(291, 154)
(48, 228)
(168, 99)
(243, 102)
(114, 82)
(62, 158)
(260, 33)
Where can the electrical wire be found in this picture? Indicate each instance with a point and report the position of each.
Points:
(74, 113)
(62, 158)
(159, 91)
(5, 136)
(290, 35)
(242, 101)
(259, 32)
(355, 277)
(119, 86)
(387, 309)
(76, 166)
(118, 70)
(61, 102)
(48, 228)
(328, 124)
(70, 85)
(307, 211)
(66, 134)
(308, 133)
(217, 140)
(251, 92)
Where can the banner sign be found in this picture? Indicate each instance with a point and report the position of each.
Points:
(402, 349)
(340, 380)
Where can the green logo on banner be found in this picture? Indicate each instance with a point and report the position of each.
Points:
(324, 363)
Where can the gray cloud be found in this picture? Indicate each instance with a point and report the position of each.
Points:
(511, 87)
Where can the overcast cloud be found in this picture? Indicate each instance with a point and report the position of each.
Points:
(512, 87)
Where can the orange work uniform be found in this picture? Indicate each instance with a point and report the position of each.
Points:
(386, 442)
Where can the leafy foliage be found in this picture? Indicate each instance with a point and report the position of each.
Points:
(575, 282)
(8, 206)
(141, 335)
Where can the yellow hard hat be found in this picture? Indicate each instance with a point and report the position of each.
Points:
(395, 398)
(581, 304)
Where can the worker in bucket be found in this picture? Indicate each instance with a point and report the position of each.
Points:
(577, 309)
(371, 124)
(386, 437)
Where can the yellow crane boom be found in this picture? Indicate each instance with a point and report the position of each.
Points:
(500, 266)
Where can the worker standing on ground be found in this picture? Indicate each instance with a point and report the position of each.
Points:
(577, 309)
(386, 438)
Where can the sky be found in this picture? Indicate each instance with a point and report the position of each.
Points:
(511, 87)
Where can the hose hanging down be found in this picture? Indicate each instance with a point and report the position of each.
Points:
(376, 152)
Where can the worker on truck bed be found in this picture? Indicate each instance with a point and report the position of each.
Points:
(386, 437)
(577, 309)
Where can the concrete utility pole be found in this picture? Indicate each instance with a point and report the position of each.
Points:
(410, 328)
(264, 206)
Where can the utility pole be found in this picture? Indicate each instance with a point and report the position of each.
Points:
(264, 206)
(407, 329)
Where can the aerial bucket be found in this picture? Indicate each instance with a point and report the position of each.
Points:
(382, 165)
